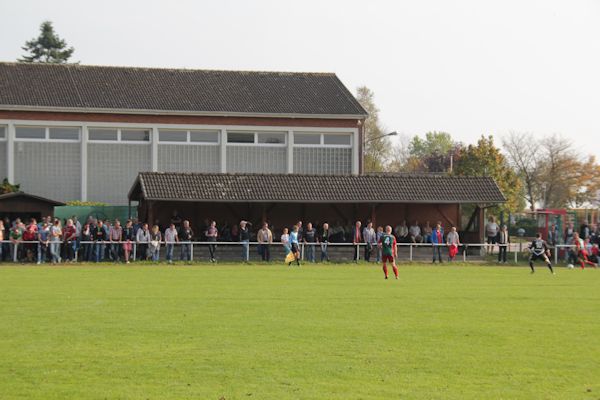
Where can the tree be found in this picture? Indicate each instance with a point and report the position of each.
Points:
(485, 159)
(431, 154)
(7, 187)
(376, 148)
(521, 150)
(587, 178)
(400, 154)
(48, 47)
(559, 167)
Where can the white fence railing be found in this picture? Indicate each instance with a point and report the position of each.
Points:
(410, 251)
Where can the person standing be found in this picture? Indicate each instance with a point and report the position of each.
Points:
(324, 239)
(16, 237)
(85, 245)
(356, 240)
(244, 234)
(43, 242)
(539, 251)
(584, 230)
(569, 232)
(503, 243)
(142, 239)
(154, 244)
(370, 239)
(127, 239)
(186, 234)
(294, 243)
(55, 238)
(115, 233)
(389, 251)
(378, 236)
(70, 240)
(1, 240)
(453, 242)
(265, 238)
(285, 241)
(552, 235)
(491, 231)
(212, 233)
(99, 235)
(310, 240)
(30, 240)
(171, 237)
(437, 240)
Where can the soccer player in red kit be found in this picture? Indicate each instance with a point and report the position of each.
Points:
(387, 242)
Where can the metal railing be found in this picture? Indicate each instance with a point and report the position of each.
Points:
(406, 251)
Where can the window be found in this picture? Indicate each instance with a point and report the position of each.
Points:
(119, 135)
(103, 134)
(337, 140)
(64, 133)
(30, 132)
(240, 137)
(135, 135)
(271, 137)
(172, 136)
(180, 136)
(307, 138)
(204, 136)
(2, 132)
(324, 139)
(260, 138)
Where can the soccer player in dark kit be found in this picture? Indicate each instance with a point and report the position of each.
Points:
(387, 242)
(539, 251)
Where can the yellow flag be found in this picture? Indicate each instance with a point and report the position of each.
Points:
(290, 257)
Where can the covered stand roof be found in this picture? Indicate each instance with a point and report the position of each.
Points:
(12, 195)
(84, 88)
(293, 188)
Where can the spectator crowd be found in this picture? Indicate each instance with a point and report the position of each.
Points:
(53, 241)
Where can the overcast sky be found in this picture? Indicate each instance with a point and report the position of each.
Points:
(467, 67)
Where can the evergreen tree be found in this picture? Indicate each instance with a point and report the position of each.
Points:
(48, 47)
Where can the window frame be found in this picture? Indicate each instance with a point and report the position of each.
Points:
(255, 143)
(322, 140)
(119, 138)
(5, 137)
(46, 137)
(188, 135)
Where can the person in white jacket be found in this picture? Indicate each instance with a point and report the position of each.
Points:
(142, 238)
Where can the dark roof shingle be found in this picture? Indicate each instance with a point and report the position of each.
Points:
(174, 90)
(407, 188)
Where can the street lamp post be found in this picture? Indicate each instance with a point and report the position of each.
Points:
(394, 133)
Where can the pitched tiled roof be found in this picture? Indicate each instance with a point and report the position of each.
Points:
(315, 188)
(97, 88)
(30, 196)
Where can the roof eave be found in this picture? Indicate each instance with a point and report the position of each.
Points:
(323, 201)
(6, 107)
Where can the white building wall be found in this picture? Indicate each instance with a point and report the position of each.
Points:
(112, 169)
(47, 169)
(56, 169)
(256, 159)
(3, 159)
(188, 158)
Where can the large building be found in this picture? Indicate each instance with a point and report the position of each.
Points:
(225, 145)
(74, 132)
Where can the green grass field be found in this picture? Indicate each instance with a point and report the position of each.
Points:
(318, 332)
